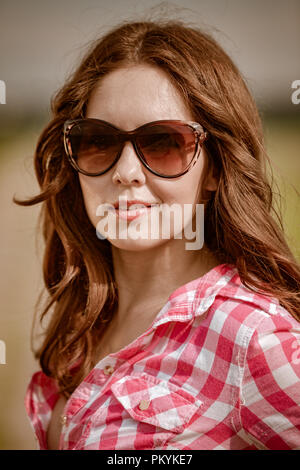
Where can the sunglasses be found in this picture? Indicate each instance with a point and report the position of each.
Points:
(165, 148)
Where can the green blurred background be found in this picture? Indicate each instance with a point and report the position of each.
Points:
(40, 43)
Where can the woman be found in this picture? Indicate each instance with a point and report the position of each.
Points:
(153, 344)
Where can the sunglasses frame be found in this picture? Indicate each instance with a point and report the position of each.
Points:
(200, 136)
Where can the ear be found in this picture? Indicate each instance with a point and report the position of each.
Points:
(212, 179)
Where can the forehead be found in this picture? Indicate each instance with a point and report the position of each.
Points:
(132, 96)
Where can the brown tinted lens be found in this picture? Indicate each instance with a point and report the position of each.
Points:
(168, 149)
(93, 146)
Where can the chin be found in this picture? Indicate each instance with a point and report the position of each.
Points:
(137, 245)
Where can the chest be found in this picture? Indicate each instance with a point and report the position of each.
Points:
(111, 341)
(155, 400)
(55, 425)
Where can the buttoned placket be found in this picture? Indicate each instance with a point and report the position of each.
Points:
(108, 368)
(108, 371)
(64, 423)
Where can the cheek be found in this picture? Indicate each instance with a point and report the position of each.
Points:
(183, 190)
(92, 196)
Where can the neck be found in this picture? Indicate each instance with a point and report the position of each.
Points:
(146, 278)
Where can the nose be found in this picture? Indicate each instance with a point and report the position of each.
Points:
(128, 169)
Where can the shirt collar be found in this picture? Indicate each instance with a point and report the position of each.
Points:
(195, 297)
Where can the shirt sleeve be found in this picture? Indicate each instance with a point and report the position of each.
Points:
(270, 386)
(40, 398)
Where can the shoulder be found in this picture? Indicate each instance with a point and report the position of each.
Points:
(42, 391)
(237, 311)
(262, 340)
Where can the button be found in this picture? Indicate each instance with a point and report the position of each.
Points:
(63, 419)
(144, 405)
(108, 370)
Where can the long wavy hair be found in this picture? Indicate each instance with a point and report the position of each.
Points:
(242, 226)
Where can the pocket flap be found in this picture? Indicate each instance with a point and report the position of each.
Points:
(157, 402)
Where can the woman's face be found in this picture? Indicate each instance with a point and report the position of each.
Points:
(128, 98)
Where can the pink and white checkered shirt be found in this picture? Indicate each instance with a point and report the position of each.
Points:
(219, 368)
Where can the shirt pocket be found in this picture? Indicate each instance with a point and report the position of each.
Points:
(150, 400)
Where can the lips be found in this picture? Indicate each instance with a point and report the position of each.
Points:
(133, 205)
(129, 210)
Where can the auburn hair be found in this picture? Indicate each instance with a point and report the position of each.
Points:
(242, 226)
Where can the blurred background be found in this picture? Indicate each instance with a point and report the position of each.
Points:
(40, 44)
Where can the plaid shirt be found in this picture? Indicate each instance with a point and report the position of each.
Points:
(218, 368)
